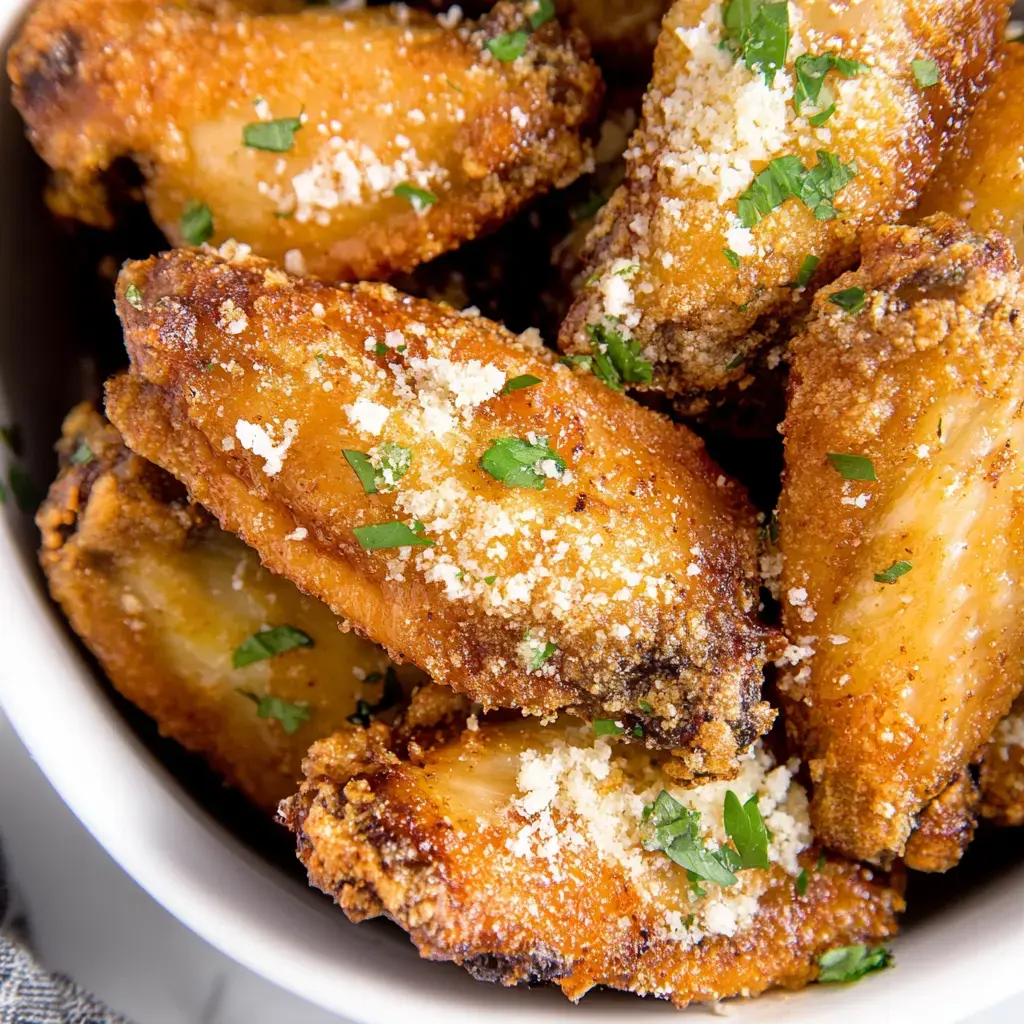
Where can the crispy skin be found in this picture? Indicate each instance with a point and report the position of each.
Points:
(893, 710)
(435, 843)
(390, 97)
(638, 565)
(698, 316)
(1002, 771)
(163, 597)
(945, 828)
(981, 177)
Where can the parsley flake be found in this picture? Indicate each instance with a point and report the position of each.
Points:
(516, 463)
(536, 653)
(806, 271)
(489, 580)
(380, 536)
(926, 73)
(758, 32)
(745, 827)
(274, 136)
(510, 45)
(673, 829)
(196, 223)
(645, 706)
(850, 299)
(392, 463)
(732, 257)
(133, 296)
(419, 198)
(810, 81)
(894, 572)
(787, 177)
(391, 694)
(545, 11)
(607, 727)
(852, 467)
(82, 455)
(615, 358)
(290, 715)
(801, 882)
(268, 644)
(736, 361)
(850, 963)
(525, 380)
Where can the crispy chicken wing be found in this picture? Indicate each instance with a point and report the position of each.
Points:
(344, 144)
(902, 526)
(730, 190)
(981, 177)
(514, 850)
(163, 598)
(515, 528)
(1002, 771)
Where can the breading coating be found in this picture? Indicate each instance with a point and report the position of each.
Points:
(981, 177)
(902, 595)
(514, 850)
(163, 598)
(388, 99)
(1002, 771)
(675, 258)
(534, 539)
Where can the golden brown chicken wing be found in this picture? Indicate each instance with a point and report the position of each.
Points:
(981, 177)
(768, 142)
(169, 604)
(344, 144)
(901, 524)
(1002, 771)
(518, 851)
(520, 530)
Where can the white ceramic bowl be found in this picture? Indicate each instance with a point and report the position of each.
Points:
(966, 955)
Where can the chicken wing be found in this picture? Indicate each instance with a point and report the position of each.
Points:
(344, 144)
(901, 524)
(735, 199)
(1002, 771)
(166, 601)
(518, 852)
(514, 527)
(981, 177)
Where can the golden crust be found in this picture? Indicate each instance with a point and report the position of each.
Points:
(163, 597)
(636, 565)
(704, 133)
(981, 177)
(945, 828)
(390, 96)
(434, 842)
(893, 687)
(1002, 771)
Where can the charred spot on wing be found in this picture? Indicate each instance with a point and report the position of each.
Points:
(55, 67)
(535, 968)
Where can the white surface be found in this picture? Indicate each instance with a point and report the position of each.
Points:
(93, 922)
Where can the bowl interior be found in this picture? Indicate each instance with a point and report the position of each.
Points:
(198, 848)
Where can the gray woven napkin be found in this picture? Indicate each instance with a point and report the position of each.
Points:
(28, 993)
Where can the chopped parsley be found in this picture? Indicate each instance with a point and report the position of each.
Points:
(817, 120)
(380, 349)
(22, 488)
(736, 361)
(380, 536)
(615, 358)
(82, 455)
(810, 82)
(489, 580)
(801, 882)
(732, 258)
(419, 198)
(758, 32)
(545, 12)
(638, 731)
(392, 463)
(627, 271)
(852, 467)
(510, 45)
(926, 73)
(290, 715)
(850, 963)
(607, 727)
(391, 694)
(268, 643)
(673, 829)
(894, 572)
(196, 223)
(745, 827)
(770, 529)
(537, 653)
(274, 136)
(515, 462)
(645, 706)
(806, 271)
(133, 296)
(524, 380)
(786, 177)
(850, 299)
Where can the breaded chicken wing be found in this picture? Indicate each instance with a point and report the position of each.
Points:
(746, 182)
(902, 527)
(516, 851)
(344, 144)
(519, 530)
(165, 600)
(981, 177)
(1002, 771)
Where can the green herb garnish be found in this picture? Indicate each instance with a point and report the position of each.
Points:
(894, 572)
(545, 12)
(274, 136)
(850, 299)
(537, 652)
(926, 73)
(392, 463)
(290, 715)
(82, 455)
(645, 706)
(419, 198)
(196, 223)
(735, 362)
(380, 536)
(801, 882)
(806, 271)
(268, 644)
(607, 727)
(525, 380)
(850, 963)
(673, 829)
(745, 827)
(510, 45)
(758, 32)
(391, 694)
(133, 296)
(514, 462)
(810, 80)
(852, 467)
(733, 258)
(616, 358)
(787, 177)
